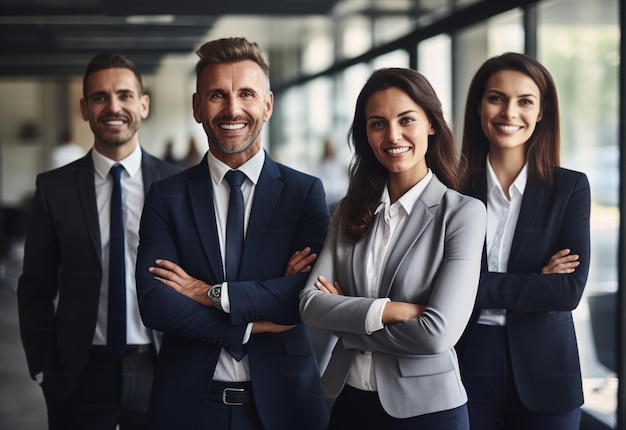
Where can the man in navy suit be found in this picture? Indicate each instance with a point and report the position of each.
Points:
(235, 353)
(64, 288)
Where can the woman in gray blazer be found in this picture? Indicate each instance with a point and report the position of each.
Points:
(398, 274)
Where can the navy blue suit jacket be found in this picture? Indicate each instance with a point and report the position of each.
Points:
(63, 263)
(540, 329)
(288, 213)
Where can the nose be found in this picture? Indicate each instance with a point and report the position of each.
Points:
(394, 133)
(509, 110)
(114, 105)
(232, 106)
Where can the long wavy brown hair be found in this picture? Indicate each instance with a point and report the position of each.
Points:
(542, 149)
(368, 176)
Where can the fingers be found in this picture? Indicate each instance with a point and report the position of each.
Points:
(300, 261)
(172, 267)
(562, 262)
(326, 286)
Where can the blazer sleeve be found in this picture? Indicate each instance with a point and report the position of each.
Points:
(451, 295)
(525, 288)
(38, 284)
(276, 299)
(162, 308)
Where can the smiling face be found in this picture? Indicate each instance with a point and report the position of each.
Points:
(397, 131)
(232, 103)
(509, 110)
(114, 108)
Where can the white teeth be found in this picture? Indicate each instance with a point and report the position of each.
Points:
(508, 128)
(232, 126)
(397, 150)
(114, 122)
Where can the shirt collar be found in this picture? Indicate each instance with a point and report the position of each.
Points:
(407, 200)
(103, 164)
(251, 168)
(519, 183)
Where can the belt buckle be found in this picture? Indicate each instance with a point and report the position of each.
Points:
(225, 395)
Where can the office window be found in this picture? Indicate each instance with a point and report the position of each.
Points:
(578, 41)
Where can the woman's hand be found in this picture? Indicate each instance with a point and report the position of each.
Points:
(401, 311)
(326, 286)
(561, 262)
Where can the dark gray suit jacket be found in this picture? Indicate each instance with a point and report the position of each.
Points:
(58, 291)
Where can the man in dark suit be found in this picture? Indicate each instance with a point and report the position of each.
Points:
(66, 285)
(235, 354)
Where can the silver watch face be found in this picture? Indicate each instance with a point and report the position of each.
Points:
(215, 292)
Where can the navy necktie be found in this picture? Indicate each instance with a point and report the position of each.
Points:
(116, 329)
(234, 225)
(234, 235)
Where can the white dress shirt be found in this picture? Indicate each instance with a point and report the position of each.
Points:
(229, 369)
(502, 216)
(389, 223)
(132, 205)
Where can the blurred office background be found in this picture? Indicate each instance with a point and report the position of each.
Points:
(320, 53)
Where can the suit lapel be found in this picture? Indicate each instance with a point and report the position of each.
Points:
(87, 192)
(421, 217)
(532, 200)
(200, 192)
(266, 194)
(149, 171)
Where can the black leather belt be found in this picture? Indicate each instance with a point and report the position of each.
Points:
(231, 393)
(130, 349)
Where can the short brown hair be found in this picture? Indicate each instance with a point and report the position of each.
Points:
(110, 60)
(229, 50)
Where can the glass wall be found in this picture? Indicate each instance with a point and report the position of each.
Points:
(579, 43)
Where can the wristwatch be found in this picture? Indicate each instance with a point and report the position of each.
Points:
(215, 294)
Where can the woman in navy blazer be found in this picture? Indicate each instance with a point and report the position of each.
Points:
(519, 356)
(399, 270)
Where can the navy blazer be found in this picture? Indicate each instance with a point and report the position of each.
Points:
(63, 263)
(539, 324)
(288, 213)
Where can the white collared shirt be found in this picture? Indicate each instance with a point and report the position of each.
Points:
(132, 205)
(229, 369)
(502, 216)
(389, 222)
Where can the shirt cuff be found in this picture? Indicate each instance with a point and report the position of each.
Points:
(374, 317)
(224, 298)
(246, 335)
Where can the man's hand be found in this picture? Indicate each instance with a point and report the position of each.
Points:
(172, 275)
(269, 327)
(300, 261)
(561, 262)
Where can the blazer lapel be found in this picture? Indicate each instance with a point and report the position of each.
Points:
(266, 194)
(149, 171)
(87, 191)
(421, 217)
(200, 192)
(531, 202)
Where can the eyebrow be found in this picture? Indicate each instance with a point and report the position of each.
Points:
(397, 116)
(502, 93)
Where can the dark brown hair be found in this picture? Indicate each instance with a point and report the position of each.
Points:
(542, 149)
(110, 60)
(367, 175)
(230, 50)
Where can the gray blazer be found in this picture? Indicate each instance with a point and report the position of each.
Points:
(435, 262)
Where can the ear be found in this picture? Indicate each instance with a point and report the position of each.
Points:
(83, 109)
(540, 116)
(431, 130)
(195, 103)
(145, 106)
(269, 106)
